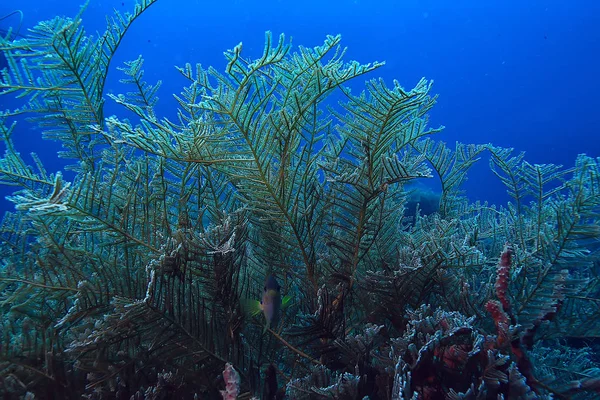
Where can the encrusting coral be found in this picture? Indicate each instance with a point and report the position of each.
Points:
(124, 277)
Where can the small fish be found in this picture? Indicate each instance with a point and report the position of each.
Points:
(270, 305)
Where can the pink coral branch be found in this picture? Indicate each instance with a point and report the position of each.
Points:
(232, 383)
(501, 319)
(503, 277)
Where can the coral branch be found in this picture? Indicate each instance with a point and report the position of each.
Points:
(501, 320)
(503, 277)
(232, 383)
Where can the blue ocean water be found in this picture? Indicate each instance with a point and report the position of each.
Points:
(513, 73)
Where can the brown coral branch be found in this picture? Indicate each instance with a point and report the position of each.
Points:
(292, 348)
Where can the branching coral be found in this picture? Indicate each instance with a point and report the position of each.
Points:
(126, 281)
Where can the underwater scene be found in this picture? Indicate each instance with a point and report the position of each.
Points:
(273, 199)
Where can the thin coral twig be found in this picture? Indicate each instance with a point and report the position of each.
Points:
(37, 371)
(40, 285)
(295, 350)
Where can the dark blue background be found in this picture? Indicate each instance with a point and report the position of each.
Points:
(521, 74)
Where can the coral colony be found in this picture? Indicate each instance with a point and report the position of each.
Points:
(128, 276)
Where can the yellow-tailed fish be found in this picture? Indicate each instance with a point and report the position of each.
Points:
(270, 305)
